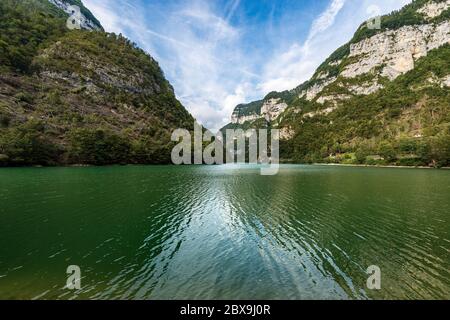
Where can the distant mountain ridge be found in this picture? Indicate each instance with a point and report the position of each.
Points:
(351, 104)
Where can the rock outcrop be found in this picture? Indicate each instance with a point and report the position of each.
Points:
(317, 88)
(286, 133)
(87, 20)
(384, 93)
(446, 81)
(387, 54)
(241, 119)
(366, 88)
(335, 99)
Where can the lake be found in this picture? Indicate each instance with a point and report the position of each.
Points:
(224, 232)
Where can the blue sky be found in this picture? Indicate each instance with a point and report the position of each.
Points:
(219, 53)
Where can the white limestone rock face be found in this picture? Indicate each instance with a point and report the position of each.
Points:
(317, 88)
(396, 50)
(272, 109)
(445, 82)
(335, 63)
(335, 99)
(386, 55)
(86, 23)
(286, 133)
(434, 9)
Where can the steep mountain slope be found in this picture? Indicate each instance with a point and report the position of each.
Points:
(383, 98)
(79, 97)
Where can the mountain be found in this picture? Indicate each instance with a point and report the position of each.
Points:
(79, 96)
(382, 98)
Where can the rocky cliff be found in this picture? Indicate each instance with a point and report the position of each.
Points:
(386, 88)
(382, 54)
(87, 19)
(79, 96)
(268, 109)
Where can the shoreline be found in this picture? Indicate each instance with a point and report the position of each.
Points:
(377, 166)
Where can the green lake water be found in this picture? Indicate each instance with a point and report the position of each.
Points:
(223, 232)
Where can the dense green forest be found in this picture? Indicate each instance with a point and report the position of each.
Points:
(79, 97)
